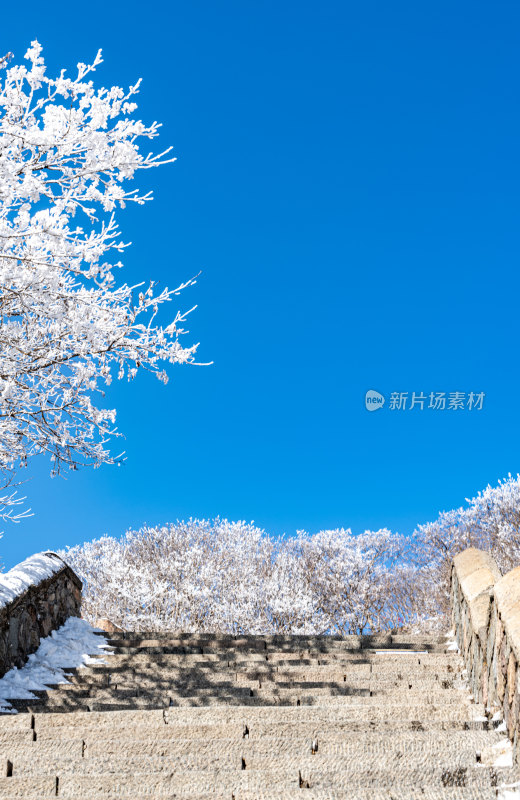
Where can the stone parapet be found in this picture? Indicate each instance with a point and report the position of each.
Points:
(486, 621)
(36, 597)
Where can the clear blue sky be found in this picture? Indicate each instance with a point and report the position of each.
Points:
(348, 183)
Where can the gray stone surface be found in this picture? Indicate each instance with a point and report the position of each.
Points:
(314, 718)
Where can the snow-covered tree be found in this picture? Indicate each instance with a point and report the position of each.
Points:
(489, 521)
(350, 576)
(68, 154)
(231, 577)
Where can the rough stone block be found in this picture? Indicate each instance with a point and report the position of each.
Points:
(507, 599)
(476, 573)
(108, 626)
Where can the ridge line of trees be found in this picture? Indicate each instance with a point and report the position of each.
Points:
(233, 577)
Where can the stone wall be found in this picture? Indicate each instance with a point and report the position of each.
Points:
(36, 597)
(486, 620)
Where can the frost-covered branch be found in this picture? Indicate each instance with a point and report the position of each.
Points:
(67, 154)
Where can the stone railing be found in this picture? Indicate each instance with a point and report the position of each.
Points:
(486, 620)
(36, 597)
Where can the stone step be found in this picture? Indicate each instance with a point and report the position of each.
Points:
(258, 730)
(33, 788)
(178, 665)
(304, 657)
(230, 739)
(292, 715)
(260, 649)
(359, 678)
(359, 672)
(15, 722)
(407, 686)
(374, 709)
(382, 640)
(357, 685)
(404, 683)
(387, 641)
(358, 675)
(323, 743)
(20, 788)
(246, 758)
(132, 685)
(189, 782)
(219, 657)
(195, 782)
(15, 736)
(442, 776)
(442, 688)
(202, 739)
(269, 693)
(394, 793)
(89, 757)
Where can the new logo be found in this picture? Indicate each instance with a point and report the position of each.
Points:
(374, 400)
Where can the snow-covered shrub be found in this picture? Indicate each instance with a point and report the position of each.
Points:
(233, 577)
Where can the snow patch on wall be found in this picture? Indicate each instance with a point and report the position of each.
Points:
(26, 574)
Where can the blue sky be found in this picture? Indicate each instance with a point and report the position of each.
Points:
(347, 182)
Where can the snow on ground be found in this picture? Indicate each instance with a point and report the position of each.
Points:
(509, 791)
(451, 641)
(499, 754)
(69, 646)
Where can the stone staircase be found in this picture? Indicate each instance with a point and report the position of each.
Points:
(198, 716)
